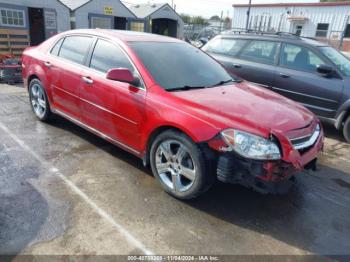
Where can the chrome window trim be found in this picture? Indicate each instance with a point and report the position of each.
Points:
(143, 86)
(311, 141)
(88, 67)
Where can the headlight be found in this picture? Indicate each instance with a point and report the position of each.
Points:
(251, 146)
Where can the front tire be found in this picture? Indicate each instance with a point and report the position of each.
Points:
(346, 129)
(39, 101)
(180, 165)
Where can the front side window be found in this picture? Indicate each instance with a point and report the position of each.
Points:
(225, 46)
(75, 48)
(107, 56)
(299, 58)
(179, 65)
(11, 17)
(342, 62)
(260, 52)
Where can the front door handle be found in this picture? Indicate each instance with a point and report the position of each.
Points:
(284, 75)
(87, 80)
(236, 65)
(47, 64)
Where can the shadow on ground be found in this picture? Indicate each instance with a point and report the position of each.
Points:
(314, 216)
(23, 210)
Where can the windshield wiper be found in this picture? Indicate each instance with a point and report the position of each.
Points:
(184, 88)
(222, 83)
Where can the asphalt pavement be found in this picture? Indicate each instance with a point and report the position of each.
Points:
(64, 191)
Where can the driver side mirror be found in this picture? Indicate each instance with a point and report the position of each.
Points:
(324, 70)
(123, 75)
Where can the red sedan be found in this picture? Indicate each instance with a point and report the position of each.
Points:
(174, 107)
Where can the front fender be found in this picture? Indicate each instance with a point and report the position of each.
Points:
(160, 114)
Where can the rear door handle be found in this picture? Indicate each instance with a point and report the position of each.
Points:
(47, 64)
(236, 65)
(284, 75)
(87, 80)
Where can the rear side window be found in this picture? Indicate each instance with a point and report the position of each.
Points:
(260, 52)
(107, 56)
(299, 58)
(225, 46)
(75, 48)
(56, 49)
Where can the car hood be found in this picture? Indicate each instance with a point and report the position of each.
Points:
(247, 107)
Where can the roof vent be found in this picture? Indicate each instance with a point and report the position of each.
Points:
(137, 6)
(154, 5)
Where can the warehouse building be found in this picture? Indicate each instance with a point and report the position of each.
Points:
(107, 14)
(327, 21)
(160, 19)
(24, 23)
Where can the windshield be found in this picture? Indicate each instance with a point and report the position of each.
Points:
(177, 66)
(341, 61)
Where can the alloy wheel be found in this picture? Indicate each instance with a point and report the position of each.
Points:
(38, 100)
(175, 165)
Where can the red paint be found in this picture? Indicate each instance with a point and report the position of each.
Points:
(120, 74)
(130, 115)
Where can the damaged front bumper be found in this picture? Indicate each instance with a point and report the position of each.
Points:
(274, 177)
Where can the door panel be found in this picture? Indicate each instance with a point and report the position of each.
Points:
(253, 72)
(252, 60)
(296, 78)
(66, 89)
(257, 62)
(68, 67)
(112, 107)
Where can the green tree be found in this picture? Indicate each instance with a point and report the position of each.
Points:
(186, 18)
(199, 20)
(215, 18)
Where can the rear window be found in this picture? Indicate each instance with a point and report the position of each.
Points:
(55, 50)
(261, 52)
(75, 48)
(225, 46)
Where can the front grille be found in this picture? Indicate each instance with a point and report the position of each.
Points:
(303, 144)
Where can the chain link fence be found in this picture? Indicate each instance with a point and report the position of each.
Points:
(200, 34)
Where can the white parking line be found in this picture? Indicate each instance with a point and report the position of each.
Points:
(130, 238)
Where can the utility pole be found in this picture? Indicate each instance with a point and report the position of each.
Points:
(248, 15)
(222, 14)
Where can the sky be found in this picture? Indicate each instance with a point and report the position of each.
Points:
(208, 8)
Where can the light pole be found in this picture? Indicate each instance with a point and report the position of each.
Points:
(248, 15)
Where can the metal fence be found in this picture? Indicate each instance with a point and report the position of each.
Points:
(338, 39)
(193, 32)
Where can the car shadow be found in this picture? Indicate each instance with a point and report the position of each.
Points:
(313, 216)
(23, 210)
(319, 203)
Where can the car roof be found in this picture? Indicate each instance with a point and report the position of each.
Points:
(288, 38)
(125, 36)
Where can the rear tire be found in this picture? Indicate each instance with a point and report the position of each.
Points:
(180, 166)
(346, 129)
(39, 101)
